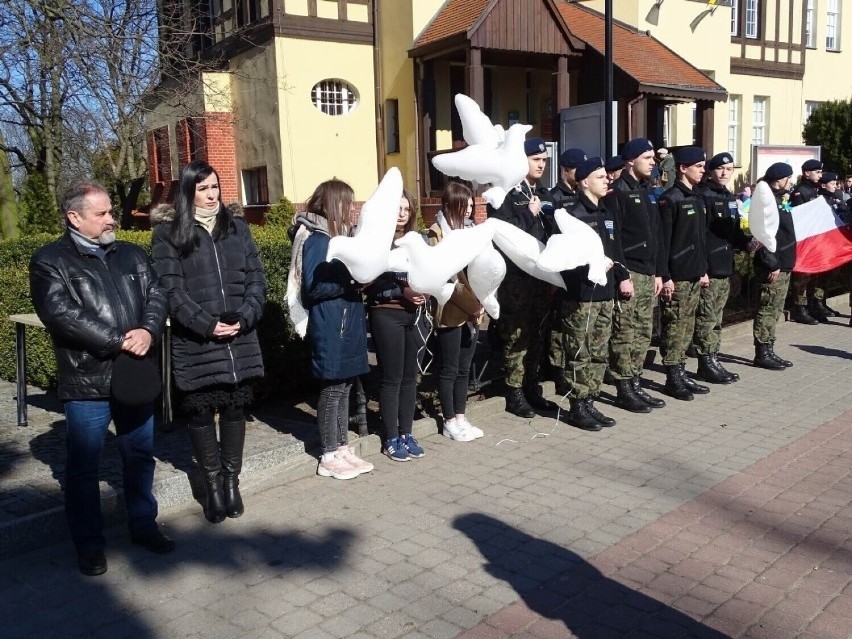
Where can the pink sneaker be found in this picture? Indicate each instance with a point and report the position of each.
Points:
(336, 466)
(353, 460)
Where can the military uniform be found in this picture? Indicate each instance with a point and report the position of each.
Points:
(808, 288)
(564, 197)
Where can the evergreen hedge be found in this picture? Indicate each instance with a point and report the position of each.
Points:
(285, 355)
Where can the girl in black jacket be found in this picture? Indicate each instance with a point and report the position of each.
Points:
(209, 266)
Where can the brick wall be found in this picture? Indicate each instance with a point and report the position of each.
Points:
(221, 153)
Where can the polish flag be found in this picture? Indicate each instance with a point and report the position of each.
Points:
(824, 242)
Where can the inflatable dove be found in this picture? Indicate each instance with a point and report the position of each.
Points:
(763, 216)
(366, 253)
(503, 165)
(523, 249)
(577, 245)
(430, 267)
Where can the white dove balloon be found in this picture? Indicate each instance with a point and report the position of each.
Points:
(366, 253)
(524, 250)
(485, 274)
(577, 245)
(430, 267)
(763, 216)
(476, 126)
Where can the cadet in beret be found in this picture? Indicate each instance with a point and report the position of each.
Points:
(524, 299)
(637, 220)
(808, 289)
(772, 271)
(614, 166)
(585, 313)
(723, 236)
(564, 194)
(683, 231)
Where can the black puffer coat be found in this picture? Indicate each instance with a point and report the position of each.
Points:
(217, 277)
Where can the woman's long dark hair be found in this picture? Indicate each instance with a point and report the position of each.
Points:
(454, 203)
(182, 233)
(411, 225)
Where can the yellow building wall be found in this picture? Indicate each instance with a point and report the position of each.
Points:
(827, 73)
(316, 146)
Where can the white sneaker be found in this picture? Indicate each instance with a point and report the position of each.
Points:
(456, 431)
(477, 432)
(337, 467)
(353, 460)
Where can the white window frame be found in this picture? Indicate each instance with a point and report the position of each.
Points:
(832, 25)
(752, 26)
(759, 119)
(734, 106)
(810, 24)
(334, 97)
(735, 17)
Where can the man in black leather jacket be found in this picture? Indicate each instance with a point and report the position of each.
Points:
(99, 298)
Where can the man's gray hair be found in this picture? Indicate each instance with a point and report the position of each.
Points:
(74, 198)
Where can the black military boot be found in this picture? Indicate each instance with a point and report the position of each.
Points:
(233, 437)
(561, 386)
(826, 309)
(786, 363)
(579, 416)
(517, 404)
(628, 399)
(691, 384)
(800, 314)
(816, 311)
(653, 402)
(710, 371)
(675, 384)
(206, 451)
(763, 359)
(734, 376)
(532, 393)
(598, 416)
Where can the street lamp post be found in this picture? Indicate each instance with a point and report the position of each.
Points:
(608, 95)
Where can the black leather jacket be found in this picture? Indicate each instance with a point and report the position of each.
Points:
(88, 304)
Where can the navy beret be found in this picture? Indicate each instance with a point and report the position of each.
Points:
(615, 163)
(689, 155)
(827, 177)
(718, 160)
(534, 146)
(587, 167)
(572, 158)
(812, 165)
(778, 171)
(636, 147)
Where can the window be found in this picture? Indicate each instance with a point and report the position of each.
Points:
(810, 31)
(810, 107)
(752, 9)
(667, 125)
(248, 11)
(255, 186)
(695, 125)
(334, 97)
(832, 25)
(162, 154)
(391, 126)
(735, 17)
(759, 120)
(734, 125)
(197, 143)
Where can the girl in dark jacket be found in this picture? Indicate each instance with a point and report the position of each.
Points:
(337, 325)
(208, 263)
(393, 309)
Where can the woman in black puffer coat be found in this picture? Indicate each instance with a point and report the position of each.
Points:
(208, 263)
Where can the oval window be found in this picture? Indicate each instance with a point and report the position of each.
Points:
(334, 97)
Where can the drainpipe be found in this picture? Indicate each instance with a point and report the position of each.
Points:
(377, 80)
(417, 131)
(630, 104)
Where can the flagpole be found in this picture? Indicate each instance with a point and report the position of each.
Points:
(608, 96)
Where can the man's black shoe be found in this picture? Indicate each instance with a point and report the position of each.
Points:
(155, 541)
(653, 402)
(517, 404)
(92, 562)
(598, 416)
(763, 359)
(579, 416)
(800, 314)
(628, 399)
(537, 400)
(815, 310)
(826, 309)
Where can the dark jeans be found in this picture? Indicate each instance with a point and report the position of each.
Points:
(396, 348)
(87, 422)
(456, 347)
(333, 413)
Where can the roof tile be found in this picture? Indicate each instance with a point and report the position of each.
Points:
(456, 16)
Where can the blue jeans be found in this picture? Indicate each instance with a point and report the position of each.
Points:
(87, 422)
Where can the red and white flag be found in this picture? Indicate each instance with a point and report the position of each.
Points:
(823, 241)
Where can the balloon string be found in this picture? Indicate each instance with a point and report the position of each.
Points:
(423, 313)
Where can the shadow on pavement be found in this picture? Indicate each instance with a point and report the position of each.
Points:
(560, 585)
(822, 350)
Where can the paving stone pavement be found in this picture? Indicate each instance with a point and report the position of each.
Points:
(725, 516)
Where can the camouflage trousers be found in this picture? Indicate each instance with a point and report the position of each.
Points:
(632, 321)
(554, 338)
(679, 321)
(585, 329)
(708, 317)
(807, 286)
(523, 326)
(772, 298)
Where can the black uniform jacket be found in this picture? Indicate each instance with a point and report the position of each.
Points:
(577, 285)
(724, 234)
(637, 218)
(88, 303)
(805, 191)
(784, 257)
(563, 196)
(516, 210)
(684, 231)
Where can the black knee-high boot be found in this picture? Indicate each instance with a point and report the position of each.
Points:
(232, 439)
(206, 451)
